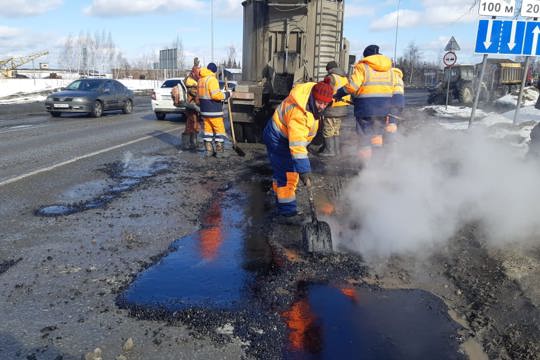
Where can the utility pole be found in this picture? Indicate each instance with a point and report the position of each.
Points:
(212, 30)
(397, 28)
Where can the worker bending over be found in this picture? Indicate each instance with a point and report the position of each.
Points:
(334, 114)
(287, 135)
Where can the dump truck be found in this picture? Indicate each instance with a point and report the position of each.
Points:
(501, 77)
(284, 42)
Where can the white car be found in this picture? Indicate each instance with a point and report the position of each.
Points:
(162, 103)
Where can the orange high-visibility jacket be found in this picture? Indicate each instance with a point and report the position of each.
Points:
(372, 85)
(293, 122)
(210, 96)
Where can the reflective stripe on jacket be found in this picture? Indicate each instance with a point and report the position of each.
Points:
(372, 84)
(339, 107)
(292, 127)
(210, 96)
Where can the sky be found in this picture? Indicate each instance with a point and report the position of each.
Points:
(140, 27)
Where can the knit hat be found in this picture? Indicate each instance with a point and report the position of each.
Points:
(371, 50)
(322, 91)
(331, 65)
(212, 67)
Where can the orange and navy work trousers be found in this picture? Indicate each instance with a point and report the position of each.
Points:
(214, 129)
(285, 181)
(192, 122)
(371, 131)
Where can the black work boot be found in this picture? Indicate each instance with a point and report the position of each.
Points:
(209, 149)
(193, 144)
(186, 141)
(298, 219)
(329, 147)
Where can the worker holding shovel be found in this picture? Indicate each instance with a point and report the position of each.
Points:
(287, 135)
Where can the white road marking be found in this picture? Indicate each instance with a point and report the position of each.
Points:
(35, 172)
(20, 127)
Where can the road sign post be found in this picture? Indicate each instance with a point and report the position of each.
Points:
(449, 59)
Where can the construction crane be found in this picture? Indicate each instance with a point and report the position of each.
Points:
(8, 66)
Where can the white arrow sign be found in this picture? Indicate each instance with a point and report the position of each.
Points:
(487, 43)
(536, 31)
(512, 41)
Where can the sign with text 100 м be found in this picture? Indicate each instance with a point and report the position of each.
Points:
(497, 7)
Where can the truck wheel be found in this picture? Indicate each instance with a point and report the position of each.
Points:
(250, 134)
(239, 132)
(466, 95)
(160, 115)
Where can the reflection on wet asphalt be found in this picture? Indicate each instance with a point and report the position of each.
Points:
(227, 273)
(326, 322)
(211, 268)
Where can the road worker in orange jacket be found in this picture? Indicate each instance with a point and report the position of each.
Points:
(334, 114)
(211, 103)
(189, 136)
(287, 135)
(371, 86)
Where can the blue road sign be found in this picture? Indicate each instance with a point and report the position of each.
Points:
(508, 37)
(511, 41)
(487, 37)
(530, 45)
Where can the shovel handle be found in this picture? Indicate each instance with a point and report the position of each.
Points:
(311, 202)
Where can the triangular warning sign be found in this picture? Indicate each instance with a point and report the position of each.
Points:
(452, 45)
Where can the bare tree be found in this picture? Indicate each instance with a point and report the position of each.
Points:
(231, 56)
(410, 61)
(180, 56)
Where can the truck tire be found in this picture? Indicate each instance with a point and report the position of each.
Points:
(250, 133)
(239, 132)
(160, 115)
(466, 94)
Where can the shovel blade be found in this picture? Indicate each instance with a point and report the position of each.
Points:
(317, 237)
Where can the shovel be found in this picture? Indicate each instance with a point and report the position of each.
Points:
(316, 235)
(235, 146)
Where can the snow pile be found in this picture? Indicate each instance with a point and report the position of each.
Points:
(454, 112)
(530, 95)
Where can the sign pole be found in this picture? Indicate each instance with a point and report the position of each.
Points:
(523, 81)
(478, 87)
(447, 84)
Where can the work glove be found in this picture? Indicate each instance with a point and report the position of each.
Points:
(227, 94)
(306, 178)
(339, 94)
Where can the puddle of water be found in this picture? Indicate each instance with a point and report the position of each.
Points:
(342, 323)
(132, 174)
(213, 268)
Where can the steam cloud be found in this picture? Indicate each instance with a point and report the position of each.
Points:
(433, 183)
